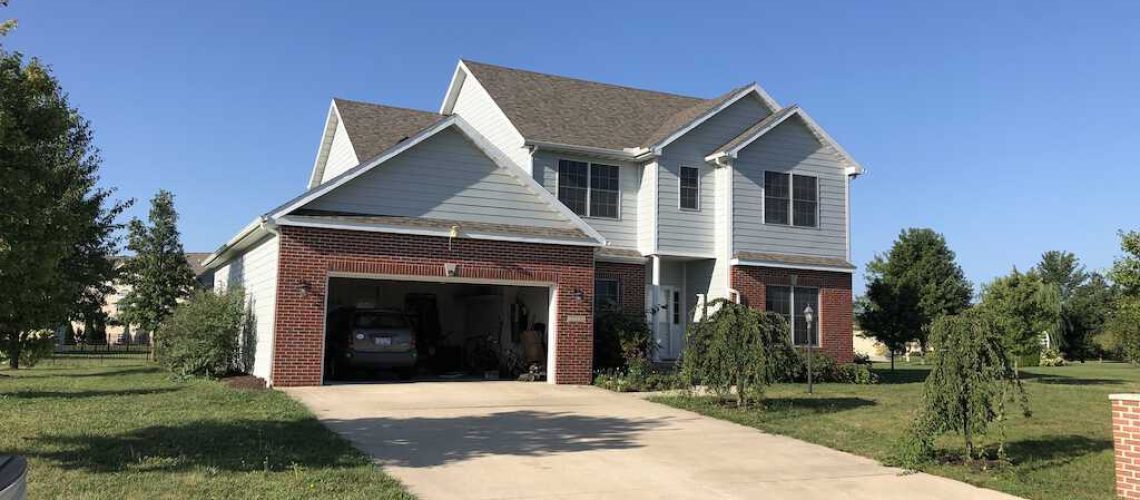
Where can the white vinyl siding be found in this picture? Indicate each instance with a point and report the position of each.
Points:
(691, 232)
(341, 155)
(445, 177)
(620, 232)
(476, 106)
(255, 271)
(789, 148)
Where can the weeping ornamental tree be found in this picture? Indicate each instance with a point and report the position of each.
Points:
(972, 381)
(736, 352)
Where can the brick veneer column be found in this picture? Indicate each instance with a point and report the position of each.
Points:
(1126, 442)
(834, 301)
(631, 283)
(309, 255)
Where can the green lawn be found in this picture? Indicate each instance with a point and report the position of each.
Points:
(1063, 451)
(116, 427)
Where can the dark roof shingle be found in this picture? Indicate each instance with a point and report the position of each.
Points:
(806, 260)
(374, 128)
(563, 110)
(425, 222)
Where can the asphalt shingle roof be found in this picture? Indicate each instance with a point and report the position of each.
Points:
(781, 258)
(373, 128)
(556, 109)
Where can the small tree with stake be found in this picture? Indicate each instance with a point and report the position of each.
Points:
(972, 380)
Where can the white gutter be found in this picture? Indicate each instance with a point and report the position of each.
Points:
(253, 228)
(624, 154)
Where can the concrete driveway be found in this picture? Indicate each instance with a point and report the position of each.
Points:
(510, 440)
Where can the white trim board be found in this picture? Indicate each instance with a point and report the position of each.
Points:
(428, 231)
(805, 267)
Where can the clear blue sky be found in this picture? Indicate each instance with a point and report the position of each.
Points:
(1011, 127)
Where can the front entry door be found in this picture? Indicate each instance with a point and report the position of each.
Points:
(671, 327)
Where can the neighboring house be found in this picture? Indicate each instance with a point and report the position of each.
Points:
(116, 331)
(589, 195)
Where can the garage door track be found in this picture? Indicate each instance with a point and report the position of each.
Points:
(513, 440)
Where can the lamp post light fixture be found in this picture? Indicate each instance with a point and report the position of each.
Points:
(809, 316)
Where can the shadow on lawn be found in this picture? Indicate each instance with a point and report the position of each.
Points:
(1054, 450)
(817, 405)
(1064, 380)
(250, 445)
(105, 373)
(84, 394)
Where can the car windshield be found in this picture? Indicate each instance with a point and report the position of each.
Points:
(379, 320)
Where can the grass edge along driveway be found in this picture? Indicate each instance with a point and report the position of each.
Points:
(118, 427)
(1063, 451)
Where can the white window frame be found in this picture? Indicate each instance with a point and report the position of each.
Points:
(589, 186)
(791, 200)
(680, 185)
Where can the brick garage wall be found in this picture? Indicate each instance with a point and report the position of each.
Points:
(631, 283)
(1126, 442)
(834, 301)
(309, 255)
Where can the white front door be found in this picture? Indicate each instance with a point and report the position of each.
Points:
(671, 324)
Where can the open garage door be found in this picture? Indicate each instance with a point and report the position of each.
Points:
(380, 329)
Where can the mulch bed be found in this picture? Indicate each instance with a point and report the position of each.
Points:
(247, 382)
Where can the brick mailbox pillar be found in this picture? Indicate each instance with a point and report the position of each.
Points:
(1126, 442)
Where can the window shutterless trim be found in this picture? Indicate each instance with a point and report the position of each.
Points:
(681, 189)
(791, 201)
(589, 187)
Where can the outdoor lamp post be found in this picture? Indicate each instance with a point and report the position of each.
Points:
(809, 315)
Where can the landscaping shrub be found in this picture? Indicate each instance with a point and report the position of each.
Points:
(201, 337)
(972, 379)
(35, 347)
(620, 338)
(639, 376)
(736, 351)
(1051, 357)
(824, 369)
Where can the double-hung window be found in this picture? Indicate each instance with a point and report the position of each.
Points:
(690, 188)
(790, 303)
(791, 199)
(589, 189)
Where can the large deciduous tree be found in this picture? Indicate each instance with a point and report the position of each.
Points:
(910, 287)
(1123, 325)
(57, 227)
(1024, 308)
(1086, 299)
(158, 275)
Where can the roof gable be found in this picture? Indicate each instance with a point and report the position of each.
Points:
(457, 176)
(367, 129)
(733, 147)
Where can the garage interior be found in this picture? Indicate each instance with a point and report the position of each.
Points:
(462, 331)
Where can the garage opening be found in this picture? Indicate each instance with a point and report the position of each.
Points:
(414, 330)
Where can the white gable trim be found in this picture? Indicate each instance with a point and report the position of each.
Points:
(332, 121)
(526, 179)
(355, 172)
(461, 73)
(477, 139)
(431, 231)
(853, 167)
(753, 89)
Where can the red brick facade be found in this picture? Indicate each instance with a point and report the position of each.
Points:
(631, 283)
(834, 301)
(1126, 442)
(309, 255)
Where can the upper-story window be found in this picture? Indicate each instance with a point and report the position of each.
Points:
(791, 199)
(690, 188)
(589, 189)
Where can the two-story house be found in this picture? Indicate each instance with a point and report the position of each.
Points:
(530, 201)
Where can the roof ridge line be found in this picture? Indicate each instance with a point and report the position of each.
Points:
(594, 82)
(404, 108)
